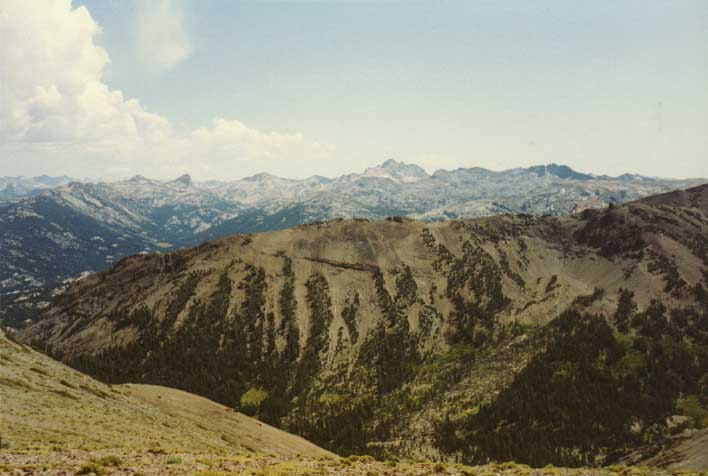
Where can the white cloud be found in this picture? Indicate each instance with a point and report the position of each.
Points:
(228, 143)
(161, 40)
(51, 80)
(58, 116)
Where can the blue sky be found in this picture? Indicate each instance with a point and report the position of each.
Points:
(603, 86)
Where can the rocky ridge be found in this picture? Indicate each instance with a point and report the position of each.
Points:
(57, 230)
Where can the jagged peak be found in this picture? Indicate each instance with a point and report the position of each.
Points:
(398, 171)
(182, 181)
(391, 163)
(558, 170)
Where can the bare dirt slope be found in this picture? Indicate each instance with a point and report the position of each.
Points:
(689, 452)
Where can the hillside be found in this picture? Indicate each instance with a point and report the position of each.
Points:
(695, 197)
(687, 453)
(46, 405)
(53, 229)
(56, 421)
(569, 340)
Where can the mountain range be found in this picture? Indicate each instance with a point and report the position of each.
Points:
(570, 340)
(54, 229)
(15, 188)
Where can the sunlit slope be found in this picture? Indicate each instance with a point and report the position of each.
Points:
(47, 405)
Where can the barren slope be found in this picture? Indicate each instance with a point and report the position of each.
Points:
(685, 453)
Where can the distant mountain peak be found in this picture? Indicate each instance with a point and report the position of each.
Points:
(391, 163)
(139, 179)
(318, 179)
(560, 171)
(261, 177)
(397, 171)
(182, 181)
(636, 178)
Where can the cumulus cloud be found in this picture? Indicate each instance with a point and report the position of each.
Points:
(161, 40)
(51, 79)
(226, 140)
(57, 114)
(226, 148)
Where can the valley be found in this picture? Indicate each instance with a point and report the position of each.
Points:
(56, 421)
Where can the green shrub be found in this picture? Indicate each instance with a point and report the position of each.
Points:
(254, 397)
(174, 460)
(109, 461)
(92, 468)
(5, 443)
(98, 466)
(359, 458)
(691, 407)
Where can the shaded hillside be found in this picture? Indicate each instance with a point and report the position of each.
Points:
(695, 197)
(56, 421)
(565, 340)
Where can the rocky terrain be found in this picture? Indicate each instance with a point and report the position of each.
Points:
(573, 340)
(53, 230)
(17, 188)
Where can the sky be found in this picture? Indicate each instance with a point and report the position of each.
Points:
(223, 89)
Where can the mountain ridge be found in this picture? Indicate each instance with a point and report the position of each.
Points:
(537, 339)
(552, 168)
(144, 215)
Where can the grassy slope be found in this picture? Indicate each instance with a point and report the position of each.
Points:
(47, 405)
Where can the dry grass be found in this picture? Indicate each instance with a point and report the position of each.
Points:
(146, 463)
(48, 406)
